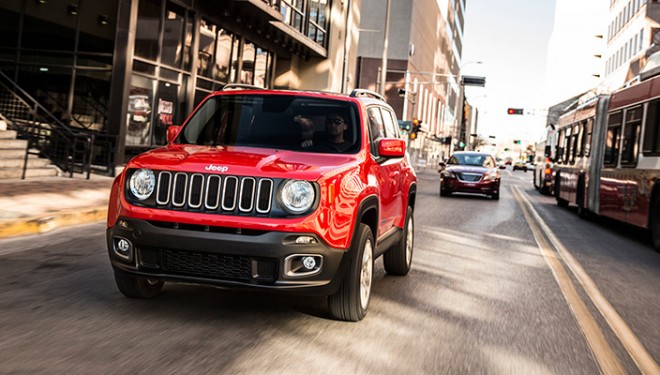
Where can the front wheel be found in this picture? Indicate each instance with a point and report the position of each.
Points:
(138, 287)
(398, 259)
(352, 299)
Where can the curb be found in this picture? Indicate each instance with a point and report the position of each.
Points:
(44, 224)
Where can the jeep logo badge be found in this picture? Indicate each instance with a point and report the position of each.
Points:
(217, 168)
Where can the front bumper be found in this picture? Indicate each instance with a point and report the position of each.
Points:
(482, 187)
(223, 257)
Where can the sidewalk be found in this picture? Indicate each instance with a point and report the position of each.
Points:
(38, 205)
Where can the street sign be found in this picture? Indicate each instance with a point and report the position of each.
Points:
(473, 81)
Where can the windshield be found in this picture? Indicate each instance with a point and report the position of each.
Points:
(470, 159)
(274, 121)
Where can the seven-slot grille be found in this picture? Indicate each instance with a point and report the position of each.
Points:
(469, 177)
(214, 193)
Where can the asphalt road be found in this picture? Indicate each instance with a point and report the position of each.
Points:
(481, 299)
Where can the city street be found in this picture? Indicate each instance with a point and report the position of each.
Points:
(491, 291)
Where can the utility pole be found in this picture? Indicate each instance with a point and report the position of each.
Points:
(383, 70)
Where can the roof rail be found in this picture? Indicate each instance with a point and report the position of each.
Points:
(365, 92)
(240, 86)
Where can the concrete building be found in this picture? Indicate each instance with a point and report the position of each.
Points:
(108, 77)
(423, 59)
(633, 35)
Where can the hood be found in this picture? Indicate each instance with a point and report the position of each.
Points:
(242, 161)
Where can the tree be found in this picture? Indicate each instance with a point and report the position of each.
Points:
(478, 142)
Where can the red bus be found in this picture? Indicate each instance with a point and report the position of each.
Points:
(608, 157)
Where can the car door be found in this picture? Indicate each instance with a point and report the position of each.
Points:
(384, 170)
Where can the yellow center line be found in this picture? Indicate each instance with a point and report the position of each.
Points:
(644, 361)
(605, 357)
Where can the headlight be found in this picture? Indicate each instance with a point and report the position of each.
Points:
(449, 174)
(142, 183)
(490, 176)
(297, 196)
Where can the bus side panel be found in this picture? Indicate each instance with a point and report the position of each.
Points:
(613, 189)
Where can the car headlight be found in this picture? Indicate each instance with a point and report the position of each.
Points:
(449, 174)
(297, 196)
(490, 176)
(142, 183)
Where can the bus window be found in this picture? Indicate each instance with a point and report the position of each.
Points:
(574, 142)
(580, 139)
(652, 129)
(567, 145)
(613, 139)
(586, 138)
(630, 146)
(560, 147)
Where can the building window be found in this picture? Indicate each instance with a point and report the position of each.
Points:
(173, 37)
(148, 29)
(318, 21)
(309, 17)
(294, 13)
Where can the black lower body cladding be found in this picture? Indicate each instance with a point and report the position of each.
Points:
(224, 257)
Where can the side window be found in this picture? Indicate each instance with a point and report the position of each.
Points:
(391, 126)
(376, 128)
(574, 142)
(489, 162)
(586, 138)
(630, 144)
(567, 145)
(612, 139)
(652, 129)
(579, 148)
(560, 146)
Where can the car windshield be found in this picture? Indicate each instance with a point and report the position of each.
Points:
(272, 121)
(467, 159)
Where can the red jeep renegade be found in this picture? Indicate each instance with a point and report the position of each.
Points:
(273, 190)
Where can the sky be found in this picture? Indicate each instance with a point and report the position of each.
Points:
(510, 39)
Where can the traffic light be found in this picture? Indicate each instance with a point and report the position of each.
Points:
(514, 111)
(516, 141)
(416, 128)
(506, 149)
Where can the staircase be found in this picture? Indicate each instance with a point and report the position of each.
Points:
(13, 153)
(34, 132)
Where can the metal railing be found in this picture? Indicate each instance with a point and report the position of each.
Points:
(73, 151)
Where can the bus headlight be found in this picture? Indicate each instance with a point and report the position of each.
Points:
(297, 196)
(142, 183)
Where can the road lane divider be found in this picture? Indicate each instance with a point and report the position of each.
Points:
(629, 340)
(605, 357)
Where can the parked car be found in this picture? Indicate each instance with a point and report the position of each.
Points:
(470, 172)
(259, 190)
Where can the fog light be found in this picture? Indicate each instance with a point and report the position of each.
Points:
(123, 248)
(309, 263)
(299, 265)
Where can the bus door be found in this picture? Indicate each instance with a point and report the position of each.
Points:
(613, 187)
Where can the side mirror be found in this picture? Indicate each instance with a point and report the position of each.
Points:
(172, 133)
(442, 164)
(391, 148)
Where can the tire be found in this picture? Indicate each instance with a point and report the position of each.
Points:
(496, 196)
(137, 287)
(444, 192)
(562, 202)
(582, 212)
(398, 259)
(654, 221)
(351, 301)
